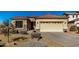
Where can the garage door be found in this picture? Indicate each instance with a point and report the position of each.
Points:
(51, 26)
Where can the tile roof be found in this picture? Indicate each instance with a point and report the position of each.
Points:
(51, 16)
(71, 13)
(20, 17)
(46, 16)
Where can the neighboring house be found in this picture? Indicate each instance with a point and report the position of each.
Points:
(72, 15)
(72, 19)
(44, 23)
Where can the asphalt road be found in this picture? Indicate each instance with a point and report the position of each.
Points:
(67, 40)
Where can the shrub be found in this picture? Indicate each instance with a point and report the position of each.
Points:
(65, 30)
(36, 35)
(73, 28)
(15, 43)
(15, 32)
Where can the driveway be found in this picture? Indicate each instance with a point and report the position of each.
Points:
(65, 39)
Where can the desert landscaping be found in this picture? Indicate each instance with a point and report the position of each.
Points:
(9, 37)
(47, 40)
(26, 41)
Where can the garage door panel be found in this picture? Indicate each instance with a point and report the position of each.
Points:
(51, 27)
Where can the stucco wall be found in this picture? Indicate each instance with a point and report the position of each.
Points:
(13, 22)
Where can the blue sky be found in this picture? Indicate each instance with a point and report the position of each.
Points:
(5, 15)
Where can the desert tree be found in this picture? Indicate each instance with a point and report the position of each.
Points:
(6, 29)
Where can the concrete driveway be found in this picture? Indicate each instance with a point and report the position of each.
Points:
(65, 39)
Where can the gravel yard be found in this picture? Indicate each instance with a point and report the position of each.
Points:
(23, 43)
(48, 40)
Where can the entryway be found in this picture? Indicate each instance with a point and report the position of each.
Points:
(30, 25)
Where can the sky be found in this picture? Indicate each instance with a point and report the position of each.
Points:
(5, 15)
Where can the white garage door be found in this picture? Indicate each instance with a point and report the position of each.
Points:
(51, 26)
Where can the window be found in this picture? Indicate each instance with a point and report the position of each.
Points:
(19, 24)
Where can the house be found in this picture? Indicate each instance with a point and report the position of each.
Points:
(71, 15)
(51, 23)
(73, 19)
(43, 23)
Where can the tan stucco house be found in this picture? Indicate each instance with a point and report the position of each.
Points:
(43, 23)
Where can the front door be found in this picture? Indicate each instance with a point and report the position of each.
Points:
(30, 25)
